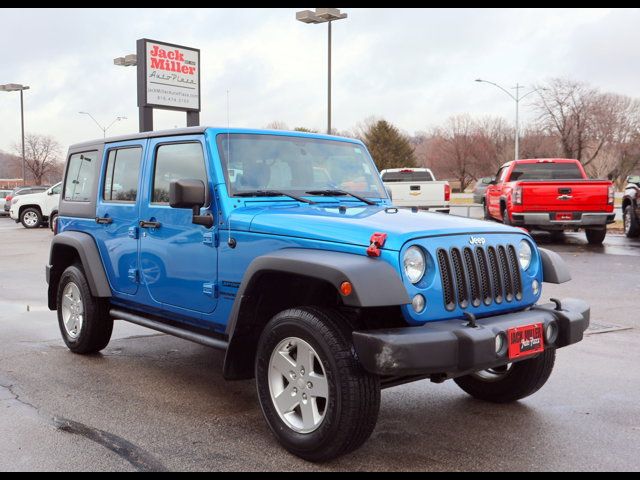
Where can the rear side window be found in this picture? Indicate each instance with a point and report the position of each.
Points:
(81, 173)
(123, 171)
(407, 176)
(546, 171)
(176, 161)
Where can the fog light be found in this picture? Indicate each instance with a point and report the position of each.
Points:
(418, 303)
(551, 332)
(535, 286)
(500, 343)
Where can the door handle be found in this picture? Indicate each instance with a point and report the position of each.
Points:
(104, 220)
(149, 224)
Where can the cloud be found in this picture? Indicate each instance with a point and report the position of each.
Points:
(413, 67)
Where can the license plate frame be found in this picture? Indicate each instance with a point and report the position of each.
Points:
(525, 340)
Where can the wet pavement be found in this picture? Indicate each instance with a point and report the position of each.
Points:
(154, 402)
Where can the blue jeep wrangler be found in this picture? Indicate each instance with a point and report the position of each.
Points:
(284, 249)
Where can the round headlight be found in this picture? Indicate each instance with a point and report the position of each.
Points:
(414, 264)
(524, 254)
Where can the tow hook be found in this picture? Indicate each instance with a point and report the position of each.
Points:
(472, 320)
(558, 304)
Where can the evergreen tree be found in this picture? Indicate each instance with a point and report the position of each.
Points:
(388, 146)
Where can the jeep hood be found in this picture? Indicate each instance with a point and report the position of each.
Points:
(357, 223)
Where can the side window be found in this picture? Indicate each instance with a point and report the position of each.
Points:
(500, 175)
(122, 173)
(56, 190)
(173, 162)
(81, 173)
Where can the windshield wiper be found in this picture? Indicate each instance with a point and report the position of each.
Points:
(271, 193)
(332, 193)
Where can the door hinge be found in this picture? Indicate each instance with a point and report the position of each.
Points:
(210, 289)
(133, 275)
(133, 232)
(211, 238)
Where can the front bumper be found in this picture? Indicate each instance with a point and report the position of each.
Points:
(450, 348)
(547, 220)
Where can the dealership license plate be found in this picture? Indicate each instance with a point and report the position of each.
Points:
(564, 216)
(526, 340)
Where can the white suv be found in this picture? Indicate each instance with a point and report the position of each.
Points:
(35, 208)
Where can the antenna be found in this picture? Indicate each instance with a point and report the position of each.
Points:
(230, 241)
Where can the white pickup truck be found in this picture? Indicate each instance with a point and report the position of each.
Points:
(417, 187)
(36, 208)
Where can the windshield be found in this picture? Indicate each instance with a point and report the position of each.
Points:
(546, 171)
(296, 165)
(407, 176)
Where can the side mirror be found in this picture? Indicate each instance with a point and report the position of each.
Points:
(633, 179)
(187, 193)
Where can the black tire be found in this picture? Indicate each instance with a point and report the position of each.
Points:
(485, 209)
(596, 236)
(557, 235)
(631, 226)
(27, 217)
(521, 380)
(96, 327)
(505, 217)
(53, 218)
(351, 411)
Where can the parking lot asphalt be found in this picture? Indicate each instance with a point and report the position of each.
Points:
(155, 402)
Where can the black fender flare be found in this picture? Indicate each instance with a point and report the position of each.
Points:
(87, 251)
(554, 268)
(375, 283)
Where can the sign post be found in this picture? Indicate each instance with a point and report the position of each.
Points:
(168, 78)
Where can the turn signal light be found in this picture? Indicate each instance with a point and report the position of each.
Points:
(346, 288)
(610, 195)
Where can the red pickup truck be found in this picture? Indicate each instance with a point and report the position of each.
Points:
(551, 194)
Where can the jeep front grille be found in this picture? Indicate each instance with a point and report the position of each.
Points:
(486, 275)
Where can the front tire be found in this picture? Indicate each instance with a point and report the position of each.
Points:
(595, 236)
(631, 226)
(83, 319)
(31, 218)
(315, 396)
(508, 384)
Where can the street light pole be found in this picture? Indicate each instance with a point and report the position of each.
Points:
(24, 178)
(323, 15)
(13, 87)
(516, 99)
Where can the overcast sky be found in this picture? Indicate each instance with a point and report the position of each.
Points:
(414, 68)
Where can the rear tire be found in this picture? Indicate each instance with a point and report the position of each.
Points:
(52, 221)
(631, 226)
(485, 208)
(596, 236)
(505, 217)
(31, 218)
(83, 319)
(519, 381)
(344, 398)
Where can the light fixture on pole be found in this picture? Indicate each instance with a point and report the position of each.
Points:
(516, 98)
(104, 129)
(130, 60)
(14, 87)
(323, 15)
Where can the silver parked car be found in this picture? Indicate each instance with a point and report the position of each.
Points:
(480, 189)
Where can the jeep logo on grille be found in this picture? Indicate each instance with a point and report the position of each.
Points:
(477, 241)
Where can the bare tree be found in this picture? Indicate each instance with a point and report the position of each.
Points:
(581, 117)
(42, 155)
(277, 125)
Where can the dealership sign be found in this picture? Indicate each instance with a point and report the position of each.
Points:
(168, 76)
